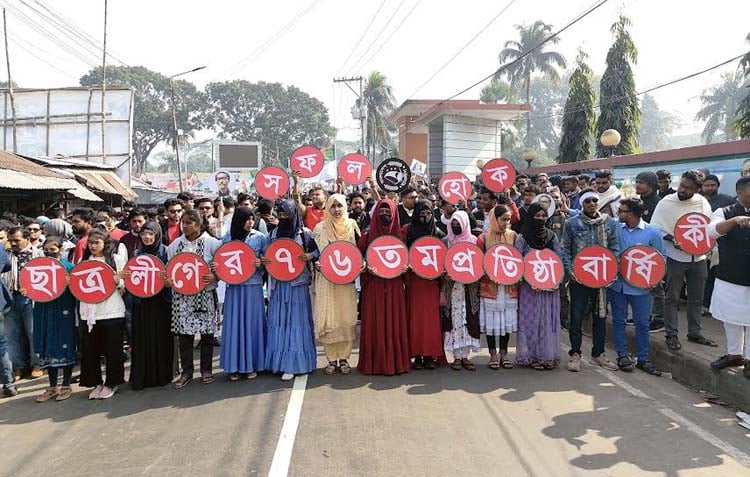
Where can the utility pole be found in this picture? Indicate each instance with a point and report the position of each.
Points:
(174, 123)
(361, 110)
(104, 82)
(10, 81)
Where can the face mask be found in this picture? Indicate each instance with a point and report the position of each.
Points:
(456, 229)
(539, 223)
(52, 255)
(424, 220)
(385, 219)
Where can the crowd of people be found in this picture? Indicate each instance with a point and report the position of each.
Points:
(407, 322)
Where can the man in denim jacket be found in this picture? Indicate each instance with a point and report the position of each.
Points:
(590, 227)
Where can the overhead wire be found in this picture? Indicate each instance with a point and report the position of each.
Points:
(26, 48)
(356, 45)
(390, 35)
(377, 37)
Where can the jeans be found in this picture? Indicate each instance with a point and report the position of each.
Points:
(67, 376)
(580, 296)
(6, 367)
(19, 327)
(186, 353)
(641, 306)
(695, 274)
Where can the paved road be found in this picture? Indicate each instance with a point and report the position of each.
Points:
(517, 423)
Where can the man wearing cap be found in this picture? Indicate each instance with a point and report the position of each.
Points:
(590, 227)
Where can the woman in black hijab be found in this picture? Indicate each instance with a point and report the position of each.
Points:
(535, 231)
(153, 345)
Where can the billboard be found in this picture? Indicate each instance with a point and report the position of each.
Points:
(237, 156)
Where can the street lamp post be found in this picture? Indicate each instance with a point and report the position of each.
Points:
(174, 121)
(611, 139)
(528, 155)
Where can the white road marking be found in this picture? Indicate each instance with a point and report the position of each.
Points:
(283, 455)
(729, 449)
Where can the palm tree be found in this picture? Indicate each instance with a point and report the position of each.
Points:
(720, 105)
(742, 124)
(379, 104)
(519, 72)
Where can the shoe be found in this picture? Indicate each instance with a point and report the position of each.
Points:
(65, 393)
(656, 326)
(10, 391)
(48, 394)
(417, 364)
(702, 340)
(629, 321)
(95, 393)
(107, 392)
(287, 377)
(602, 361)
(36, 372)
(625, 363)
(234, 377)
(574, 363)
(207, 377)
(429, 363)
(648, 367)
(252, 375)
(673, 343)
(344, 367)
(746, 369)
(727, 361)
(330, 368)
(17, 374)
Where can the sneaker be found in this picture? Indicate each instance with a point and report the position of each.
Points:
(36, 372)
(648, 367)
(417, 364)
(287, 377)
(65, 393)
(629, 321)
(656, 326)
(48, 394)
(625, 363)
(602, 361)
(10, 391)
(107, 392)
(95, 393)
(574, 363)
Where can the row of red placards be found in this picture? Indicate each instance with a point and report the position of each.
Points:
(44, 279)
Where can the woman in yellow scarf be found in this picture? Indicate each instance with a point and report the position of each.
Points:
(335, 306)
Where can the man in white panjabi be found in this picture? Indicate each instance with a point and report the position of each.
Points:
(731, 297)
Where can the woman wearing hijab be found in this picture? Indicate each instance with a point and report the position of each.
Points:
(461, 303)
(423, 296)
(152, 350)
(290, 346)
(498, 310)
(538, 341)
(243, 340)
(384, 335)
(335, 305)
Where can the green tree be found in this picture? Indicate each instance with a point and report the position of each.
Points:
(578, 119)
(152, 114)
(496, 92)
(719, 106)
(742, 124)
(379, 104)
(656, 126)
(618, 103)
(519, 73)
(281, 117)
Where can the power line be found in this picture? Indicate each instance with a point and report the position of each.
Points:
(372, 20)
(37, 56)
(433, 75)
(390, 35)
(377, 37)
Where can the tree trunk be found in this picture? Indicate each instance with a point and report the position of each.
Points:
(528, 116)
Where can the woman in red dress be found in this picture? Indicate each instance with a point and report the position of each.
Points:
(423, 296)
(384, 338)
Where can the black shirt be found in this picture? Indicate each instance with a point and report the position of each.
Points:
(403, 216)
(649, 204)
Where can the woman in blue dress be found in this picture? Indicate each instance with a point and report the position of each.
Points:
(290, 347)
(243, 339)
(55, 332)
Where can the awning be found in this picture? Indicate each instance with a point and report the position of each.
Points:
(15, 180)
(104, 181)
(83, 193)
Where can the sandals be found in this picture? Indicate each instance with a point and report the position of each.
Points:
(537, 366)
(207, 378)
(234, 377)
(344, 366)
(702, 340)
(468, 365)
(48, 394)
(494, 364)
(182, 381)
(456, 365)
(65, 393)
(505, 362)
(330, 368)
(673, 343)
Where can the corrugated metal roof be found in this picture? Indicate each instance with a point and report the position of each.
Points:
(15, 180)
(104, 181)
(13, 162)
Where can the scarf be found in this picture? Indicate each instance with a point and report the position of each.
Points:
(495, 236)
(601, 233)
(607, 198)
(416, 228)
(289, 227)
(155, 247)
(377, 228)
(465, 236)
(237, 228)
(671, 208)
(58, 228)
(535, 232)
(332, 229)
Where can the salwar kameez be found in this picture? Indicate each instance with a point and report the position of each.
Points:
(458, 341)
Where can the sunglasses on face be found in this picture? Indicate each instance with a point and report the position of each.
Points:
(205, 207)
(591, 200)
(34, 230)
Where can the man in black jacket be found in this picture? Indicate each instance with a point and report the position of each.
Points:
(646, 186)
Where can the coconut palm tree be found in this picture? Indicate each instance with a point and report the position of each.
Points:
(742, 124)
(519, 73)
(379, 104)
(719, 107)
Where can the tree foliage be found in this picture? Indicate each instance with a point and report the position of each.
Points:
(719, 105)
(545, 62)
(656, 126)
(742, 123)
(152, 114)
(578, 119)
(618, 104)
(281, 117)
(498, 91)
(379, 104)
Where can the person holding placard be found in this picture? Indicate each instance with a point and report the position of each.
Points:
(243, 340)
(55, 332)
(498, 310)
(538, 338)
(335, 305)
(104, 322)
(195, 314)
(290, 344)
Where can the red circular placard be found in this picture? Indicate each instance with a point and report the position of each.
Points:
(271, 182)
(543, 269)
(341, 262)
(642, 266)
(44, 279)
(185, 270)
(354, 168)
(498, 175)
(691, 232)
(427, 257)
(464, 262)
(92, 281)
(454, 186)
(235, 262)
(387, 256)
(145, 280)
(503, 263)
(595, 266)
(285, 264)
(307, 160)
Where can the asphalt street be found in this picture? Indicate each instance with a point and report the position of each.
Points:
(518, 422)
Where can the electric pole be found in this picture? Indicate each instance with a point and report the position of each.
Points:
(360, 113)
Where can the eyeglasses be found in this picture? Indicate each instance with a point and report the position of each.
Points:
(34, 229)
(591, 200)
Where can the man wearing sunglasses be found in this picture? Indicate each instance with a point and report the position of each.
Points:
(36, 239)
